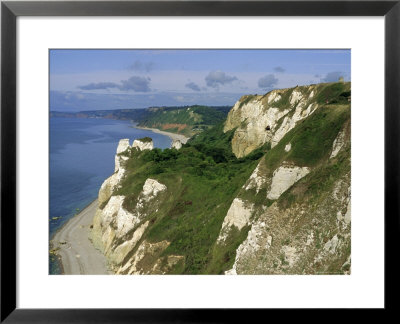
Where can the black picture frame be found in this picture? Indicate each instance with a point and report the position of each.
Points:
(10, 10)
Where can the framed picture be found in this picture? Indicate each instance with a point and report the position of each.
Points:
(322, 56)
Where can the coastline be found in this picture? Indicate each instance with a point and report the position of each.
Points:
(182, 138)
(70, 245)
(75, 251)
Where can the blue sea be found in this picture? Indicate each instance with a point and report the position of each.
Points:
(82, 155)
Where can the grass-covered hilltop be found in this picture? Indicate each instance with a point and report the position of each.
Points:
(188, 120)
(264, 191)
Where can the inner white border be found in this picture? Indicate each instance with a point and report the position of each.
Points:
(363, 288)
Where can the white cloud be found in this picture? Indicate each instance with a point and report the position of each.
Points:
(267, 81)
(214, 79)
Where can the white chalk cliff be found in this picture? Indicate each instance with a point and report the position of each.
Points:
(111, 183)
(338, 143)
(283, 236)
(143, 145)
(177, 144)
(118, 230)
(256, 180)
(284, 177)
(114, 222)
(261, 119)
(238, 215)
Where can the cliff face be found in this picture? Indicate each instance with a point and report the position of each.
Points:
(116, 231)
(282, 208)
(301, 202)
(112, 183)
(303, 226)
(267, 118)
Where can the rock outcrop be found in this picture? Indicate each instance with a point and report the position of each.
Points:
(261, 119)
(150, 253)
(143, 144)
(123, 145)
(240, 212)
(302, 239)
(151, 188)
(256, 180)
(284, 177)
(238, 215)
(111, 183)
(177, 144)
(116, 231)
(338, 143)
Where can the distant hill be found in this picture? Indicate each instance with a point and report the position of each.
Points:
(188, 120)
(122, 114)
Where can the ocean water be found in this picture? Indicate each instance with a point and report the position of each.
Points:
(82, 155)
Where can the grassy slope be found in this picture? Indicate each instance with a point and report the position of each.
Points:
(202, 179)
(312, 147)
(312, 139)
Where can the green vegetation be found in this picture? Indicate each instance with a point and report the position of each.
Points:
(333, 93)
(312, 139)
(223, 255)
(283, 103)
(245, 100)
(187, 120)
(321, 179)
(217, 144)
(145, 139)
(202, 178)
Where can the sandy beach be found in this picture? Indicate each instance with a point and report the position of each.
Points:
(173, 136)
(77, 253)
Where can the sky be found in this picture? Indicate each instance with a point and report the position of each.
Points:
(123, 79)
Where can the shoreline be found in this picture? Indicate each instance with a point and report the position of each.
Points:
(75, 251)
(182, 138)
(59, 229)
(70, 244)
(58, 257)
